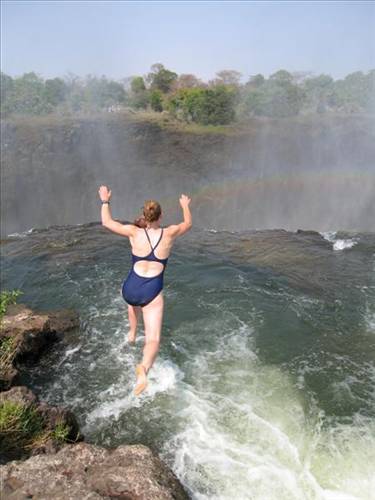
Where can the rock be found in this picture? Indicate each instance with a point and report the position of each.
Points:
(128, 472)
(60, 414)
(38, 427)
(8, 376)
(309, 232)
(29, 333)
(20, 395)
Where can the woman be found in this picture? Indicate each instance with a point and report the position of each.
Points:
(142, 289)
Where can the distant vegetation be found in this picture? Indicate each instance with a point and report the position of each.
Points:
(218, 102)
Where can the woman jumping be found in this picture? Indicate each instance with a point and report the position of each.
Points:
(142, 289)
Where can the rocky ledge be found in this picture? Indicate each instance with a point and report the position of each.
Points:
(25, 334)
(128, 472)
(39, 432)
(30, 427)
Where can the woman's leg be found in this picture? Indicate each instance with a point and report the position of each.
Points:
(152, 319)
(133, 314)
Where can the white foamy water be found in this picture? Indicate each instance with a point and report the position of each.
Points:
(343, 244)
(239, 428)
(370, 320)
(246, 435)
(329, 235)
(338, 244)
(119, 397)
(68, 353)
(23, 234)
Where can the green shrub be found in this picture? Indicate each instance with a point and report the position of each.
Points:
(6, 298)
(156, 100)
(208, 106)
(61, 432)
(22, 429)
(8, 349)
(19, 425)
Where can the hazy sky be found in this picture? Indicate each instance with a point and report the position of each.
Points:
(120, 39)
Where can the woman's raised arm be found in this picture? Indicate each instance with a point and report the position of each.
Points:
(107, 221)
(182, 228)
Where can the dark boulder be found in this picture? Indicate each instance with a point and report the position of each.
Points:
(25, 334)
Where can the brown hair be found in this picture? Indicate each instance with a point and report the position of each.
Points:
(151, 210)
(140, 222)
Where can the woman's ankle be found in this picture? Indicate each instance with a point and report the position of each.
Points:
(146, 367)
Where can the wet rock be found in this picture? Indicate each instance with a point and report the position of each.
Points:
(314, 238)
(25, 334)
(87, 471)
(309, 232)
(302, 258)
(30, 427)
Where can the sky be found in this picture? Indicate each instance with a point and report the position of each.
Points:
(122, 39)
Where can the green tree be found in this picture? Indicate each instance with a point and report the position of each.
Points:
(161, 78)
(211, 106)
(227, 77)
(318, 92)
(137, 85)
(276, 97)
(7, 94)
(101, 93)
(187, 81)
(115, 93)
(139, 96)
(355, 93)
(256, 81)
(55, 91)
(156, 100)
(252, 103)
(29, 95)
(282, 77)
(370, 104)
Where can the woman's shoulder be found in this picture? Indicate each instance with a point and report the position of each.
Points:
(170, 228)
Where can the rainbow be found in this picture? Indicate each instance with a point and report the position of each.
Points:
(326, 180)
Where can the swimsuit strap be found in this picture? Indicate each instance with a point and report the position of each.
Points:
(153, 248)
(161, 235)
(148, 238)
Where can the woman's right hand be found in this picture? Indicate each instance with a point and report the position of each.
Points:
(184, 200)
(104, 193)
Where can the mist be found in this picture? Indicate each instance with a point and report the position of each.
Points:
(312, 172)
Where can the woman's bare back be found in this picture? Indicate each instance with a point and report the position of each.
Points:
(141, 247)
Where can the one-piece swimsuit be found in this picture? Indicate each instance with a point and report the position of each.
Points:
(141, 290)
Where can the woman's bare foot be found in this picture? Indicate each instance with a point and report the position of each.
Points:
(141, 379)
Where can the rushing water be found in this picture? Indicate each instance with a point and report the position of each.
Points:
(264, 387)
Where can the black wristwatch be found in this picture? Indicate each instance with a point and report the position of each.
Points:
(105, 202)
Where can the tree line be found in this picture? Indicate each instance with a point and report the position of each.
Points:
(222, 100)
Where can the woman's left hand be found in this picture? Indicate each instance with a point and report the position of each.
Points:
(105, 193)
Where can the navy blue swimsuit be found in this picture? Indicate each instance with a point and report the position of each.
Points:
(138, 290)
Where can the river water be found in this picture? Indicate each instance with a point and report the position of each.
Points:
(264, 387)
